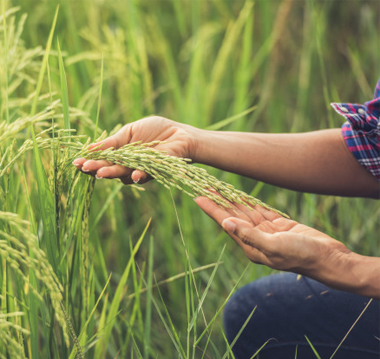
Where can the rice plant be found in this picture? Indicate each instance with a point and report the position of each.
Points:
(95, 269)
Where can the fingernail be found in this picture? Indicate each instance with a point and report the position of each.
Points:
(136, 181)
(229, 226)
(97, 177)
(76, 162)
(85, 170)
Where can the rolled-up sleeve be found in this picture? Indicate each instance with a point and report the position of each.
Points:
(361, 131)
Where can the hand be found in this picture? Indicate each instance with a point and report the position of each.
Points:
(180, 140)
(280, 243)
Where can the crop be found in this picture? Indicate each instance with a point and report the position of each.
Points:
(173, 171)
(95, 269)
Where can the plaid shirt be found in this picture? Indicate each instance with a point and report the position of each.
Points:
(361, 132)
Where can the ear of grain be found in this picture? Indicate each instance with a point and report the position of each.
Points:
(176, 172)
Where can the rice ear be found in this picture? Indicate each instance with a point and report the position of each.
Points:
(171, 171)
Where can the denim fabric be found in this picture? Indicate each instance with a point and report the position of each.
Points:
(289, 309)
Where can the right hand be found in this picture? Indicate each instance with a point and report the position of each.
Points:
(180, 140)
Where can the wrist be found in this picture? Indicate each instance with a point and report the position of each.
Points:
(365, 277)
(202, 146)
(349, 271)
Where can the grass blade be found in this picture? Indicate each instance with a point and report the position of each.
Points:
(99, 98)
(64, 90)
(312, 348)
(148, 312)
(44, 64)
(200, 304)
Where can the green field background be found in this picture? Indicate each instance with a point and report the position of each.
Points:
(276, 65)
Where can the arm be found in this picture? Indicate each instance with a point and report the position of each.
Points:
(316, 162)
(280, 243)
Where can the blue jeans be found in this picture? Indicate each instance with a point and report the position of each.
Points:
(289, 309)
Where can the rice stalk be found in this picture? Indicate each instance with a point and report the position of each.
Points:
(15, 250)
(8, 340)
(85, 234)
(78, 347)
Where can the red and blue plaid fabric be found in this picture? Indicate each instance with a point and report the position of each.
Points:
(361, 132)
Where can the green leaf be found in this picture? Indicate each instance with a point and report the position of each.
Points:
(64, 90)
(312, 348)
(148, 312)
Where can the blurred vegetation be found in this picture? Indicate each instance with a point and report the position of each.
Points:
(196, 62)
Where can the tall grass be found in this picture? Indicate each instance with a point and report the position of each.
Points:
(103, 270)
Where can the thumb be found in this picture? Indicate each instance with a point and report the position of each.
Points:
(243, 230)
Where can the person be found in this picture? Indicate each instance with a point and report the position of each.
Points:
(336, 286)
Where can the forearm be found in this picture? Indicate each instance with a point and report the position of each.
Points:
(350, 272)
(317, 162)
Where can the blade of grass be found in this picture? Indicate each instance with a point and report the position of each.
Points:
(200, 304)
(6, 63)
(81, 337)
(64, 90)
(33, 301)
(241, 331)
(186, 253)
(169, 326)
(100, 348)
(244, 77)
(219, 125)
(352, 327)
(219, 69)
(99, 97)
(222, 306)
(177, 276)
(105, 205)
(44, 64)
(229, 350)
(148, 311)
(136, 310)
(319, 35)
(312, 348)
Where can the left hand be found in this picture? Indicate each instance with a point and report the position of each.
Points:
(280, 243)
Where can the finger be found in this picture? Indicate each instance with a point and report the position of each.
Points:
(119, 139)
(246, 232)
(266, 213)
(78, 163)
(114, 171)
(94, 165)
(254, 254)
(245, 242)
(252, 213)
(216, 212)
(233, 208)
(140, 177)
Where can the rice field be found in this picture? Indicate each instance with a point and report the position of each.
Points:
(96, 269)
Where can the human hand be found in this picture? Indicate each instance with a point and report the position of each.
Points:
(280, 243)
(180, 140)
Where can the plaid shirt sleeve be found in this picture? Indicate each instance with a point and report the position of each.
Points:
(361, 131)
